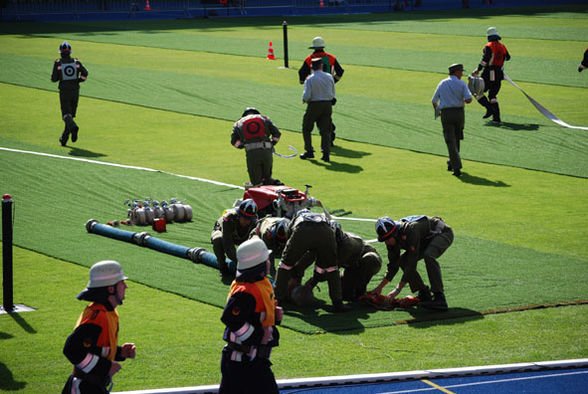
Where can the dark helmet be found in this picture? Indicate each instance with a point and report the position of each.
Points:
(65, 48)
(386, 228)
(250, 111)
(282, 231)
(247, 209)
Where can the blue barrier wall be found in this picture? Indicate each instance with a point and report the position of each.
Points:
(68, 10)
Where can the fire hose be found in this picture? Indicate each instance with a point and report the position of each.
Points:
(196, 255)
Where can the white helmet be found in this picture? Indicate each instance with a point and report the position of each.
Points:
(476, 85)
(251, 253)
(105, 273)
(492, 32)
(317, 42)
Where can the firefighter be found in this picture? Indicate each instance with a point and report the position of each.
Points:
(230, 230)
(422, 237)
(257, 135)
(274, 232)
(331, 66)
(493, 58)
(70, 72)
(93, 348)
(250, 315)
(311, 237)
(360, 261)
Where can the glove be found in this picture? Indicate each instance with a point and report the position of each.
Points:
(334, 101)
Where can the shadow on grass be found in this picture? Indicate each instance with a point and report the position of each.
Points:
(84, 153)
(23, 323)
(514, 126)
(7, 381)
(480, 181)
(352, 154)
(339, 167)
(321, 316)
(423, 318)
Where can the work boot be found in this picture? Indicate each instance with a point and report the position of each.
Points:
(496, 113)
(340, 307)
(449, 166)
(326, 158)
(486, 104)
(74, 133)
(438, 303)
(424, 295)
(307, 155)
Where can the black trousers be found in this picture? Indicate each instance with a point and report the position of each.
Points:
(246, 377)
(69, 101)
(453, 120)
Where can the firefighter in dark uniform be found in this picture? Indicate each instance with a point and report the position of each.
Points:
(250, 315)
(331, 66)
(273, 231)
(311, 239)
(93, 348)
(584, 63)
(230, 230)
(422, 237)
(69, 72)
(360, 261)
(258, 135)
(493, 58)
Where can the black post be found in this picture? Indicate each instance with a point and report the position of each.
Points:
(285, 28)
(7, 284)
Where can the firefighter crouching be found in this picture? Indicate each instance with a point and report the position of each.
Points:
(274, 232)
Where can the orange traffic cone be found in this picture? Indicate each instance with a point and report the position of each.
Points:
(322, 4)
(270, 52)
(147, 6)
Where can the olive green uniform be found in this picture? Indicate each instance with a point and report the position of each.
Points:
(226, 234)
(361, 262)
(266, 230)
(310, 236)
(256, 134)
(422, 237)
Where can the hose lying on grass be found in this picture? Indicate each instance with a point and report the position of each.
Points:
(197, 255)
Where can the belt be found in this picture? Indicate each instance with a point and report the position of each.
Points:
(262, 351)
(95, 380)
(258, 145)
(320, 101)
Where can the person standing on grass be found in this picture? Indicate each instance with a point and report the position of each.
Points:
(70, 72)
(331, 66)
(250, 316)
(421, 237)
(449, 98)
(93, 348)
(257, 134)
(319, 95)
(493, 58)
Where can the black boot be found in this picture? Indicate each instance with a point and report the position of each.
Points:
(424, 295)
(486, 104)
(64, 137)
(496, 113)
(438, 303)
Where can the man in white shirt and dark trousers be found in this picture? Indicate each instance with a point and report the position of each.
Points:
(319, 95)
(449, 99)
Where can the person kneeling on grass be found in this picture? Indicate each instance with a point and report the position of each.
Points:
(250, 316)
(422, 237)
(93, 346)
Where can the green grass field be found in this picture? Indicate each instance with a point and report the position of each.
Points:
(164, 95)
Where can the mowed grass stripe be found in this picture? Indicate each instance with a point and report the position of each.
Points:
(511, 205)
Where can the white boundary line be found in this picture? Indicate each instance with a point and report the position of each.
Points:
(105, 163)
(388, 377)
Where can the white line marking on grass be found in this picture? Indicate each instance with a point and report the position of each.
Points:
(105, 163)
